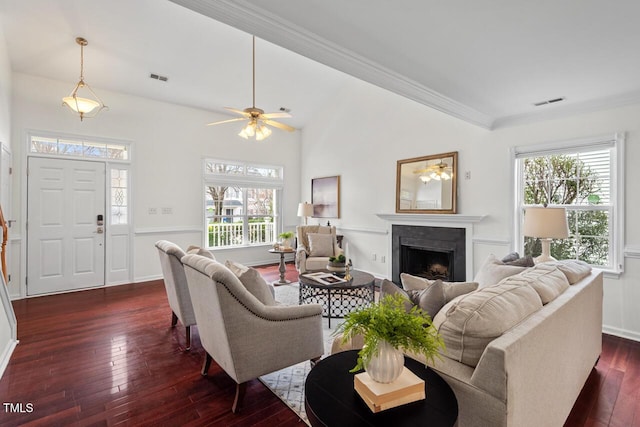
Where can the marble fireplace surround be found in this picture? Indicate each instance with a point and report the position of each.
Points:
(460, 221)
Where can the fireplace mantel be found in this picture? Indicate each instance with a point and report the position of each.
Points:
(431, 218)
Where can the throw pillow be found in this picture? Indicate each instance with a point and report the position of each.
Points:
(450, 289)
(303, 231)
(575, 270)
(192, 249)
(493, 271)
(430, 299)
(320, 244)
(470, 322)
(389, 288)
(525, 261)
(547, 280)
(253, 282)
(510, 257)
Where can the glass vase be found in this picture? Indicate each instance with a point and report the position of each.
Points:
(385, 366)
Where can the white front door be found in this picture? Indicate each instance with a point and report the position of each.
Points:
(65, 243)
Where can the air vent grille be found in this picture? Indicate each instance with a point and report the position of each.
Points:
(158, 77)
(548, 101)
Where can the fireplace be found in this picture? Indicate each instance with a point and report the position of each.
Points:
(429, 252)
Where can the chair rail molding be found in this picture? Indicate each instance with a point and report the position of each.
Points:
(632, 251)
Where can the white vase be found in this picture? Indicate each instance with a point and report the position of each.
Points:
(386, 365)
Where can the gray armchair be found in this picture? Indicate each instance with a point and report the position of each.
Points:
(175, 284)
(243, 335)
(310, 258)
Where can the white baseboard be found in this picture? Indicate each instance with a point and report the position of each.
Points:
(147, 278)
(6, 355)
(622, 333)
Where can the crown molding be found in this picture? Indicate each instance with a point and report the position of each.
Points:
(247, 17)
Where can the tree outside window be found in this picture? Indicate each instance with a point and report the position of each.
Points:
(580, 182)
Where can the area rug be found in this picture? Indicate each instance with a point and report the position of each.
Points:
(288, 383)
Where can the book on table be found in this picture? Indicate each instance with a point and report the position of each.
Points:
(325, 278)
(407, 388)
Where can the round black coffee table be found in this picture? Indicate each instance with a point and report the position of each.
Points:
(338, 299)
(330, 399)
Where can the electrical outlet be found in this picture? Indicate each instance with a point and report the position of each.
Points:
(467, 175)
(374, 257)
(167, 211)
(383, 259)
(153, 211)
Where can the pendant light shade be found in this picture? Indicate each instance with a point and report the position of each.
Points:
(83, 100)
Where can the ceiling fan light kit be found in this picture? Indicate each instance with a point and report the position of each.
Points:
(258, 119)
(82, 99)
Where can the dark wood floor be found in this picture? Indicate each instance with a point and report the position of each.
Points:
(108, 357)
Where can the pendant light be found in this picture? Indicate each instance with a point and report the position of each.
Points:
(83, 100)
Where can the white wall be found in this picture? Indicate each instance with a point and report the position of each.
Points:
(361, 135)
(8, 337)
(169, 142)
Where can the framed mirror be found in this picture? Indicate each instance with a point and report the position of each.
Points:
(427, 184)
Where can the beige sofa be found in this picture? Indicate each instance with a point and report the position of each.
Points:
(532, 374)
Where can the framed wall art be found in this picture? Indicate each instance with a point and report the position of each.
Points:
(325, 197)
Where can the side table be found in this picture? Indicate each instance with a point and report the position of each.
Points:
(331, 400)
(283, 267)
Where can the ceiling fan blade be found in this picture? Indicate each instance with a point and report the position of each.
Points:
(279, 125)
(227, 121)
(241, 112)
(277, 115)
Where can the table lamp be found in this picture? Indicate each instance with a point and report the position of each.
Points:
(306, 210)
(546, 224)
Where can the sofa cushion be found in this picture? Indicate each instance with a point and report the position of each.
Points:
(253, 282)
(449, 289)
(320, 245)
(471, 321)
(493, 271)
(546, 279)
(574, 270)
(192, 249)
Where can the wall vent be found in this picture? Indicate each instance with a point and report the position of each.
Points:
(549, 101)
(158, 77)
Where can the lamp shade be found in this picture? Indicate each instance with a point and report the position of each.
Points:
(305, 209)
(546, 223)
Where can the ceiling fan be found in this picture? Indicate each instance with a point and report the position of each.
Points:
(257, 118)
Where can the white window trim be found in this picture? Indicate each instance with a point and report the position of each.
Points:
(245, 181)
(617, 140)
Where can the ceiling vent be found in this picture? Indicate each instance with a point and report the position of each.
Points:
(158, 77)
(548, 101)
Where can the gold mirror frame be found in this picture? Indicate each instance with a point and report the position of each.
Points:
(422, 185)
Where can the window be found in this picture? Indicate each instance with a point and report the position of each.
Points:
(119, 198)
(242, 203)
(78, 148)
(583, 178)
